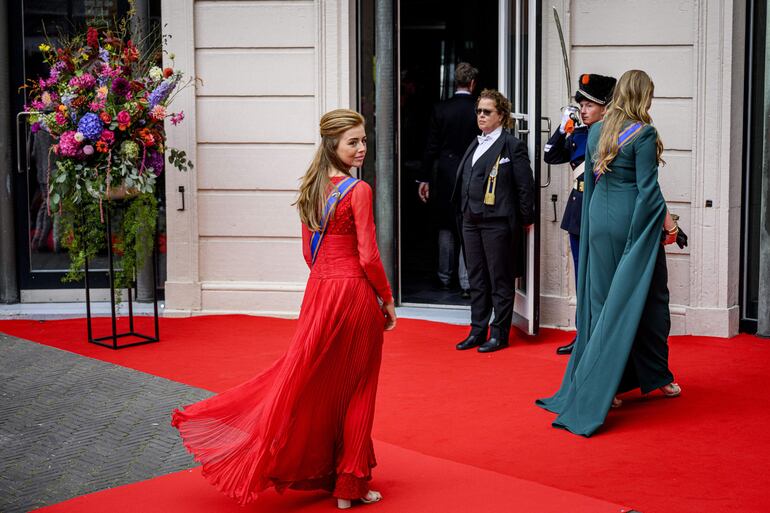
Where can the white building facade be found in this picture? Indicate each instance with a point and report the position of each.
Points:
(268, 70)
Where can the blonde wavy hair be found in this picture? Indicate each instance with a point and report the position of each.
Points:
(630, 102)
(315, 184)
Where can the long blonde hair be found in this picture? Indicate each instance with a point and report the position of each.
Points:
(315, 184)
(630, 102)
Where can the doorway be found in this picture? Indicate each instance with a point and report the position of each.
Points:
(501, 38)
(434, 37)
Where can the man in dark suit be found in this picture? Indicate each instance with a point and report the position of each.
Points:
(494, 196)
(453, 127)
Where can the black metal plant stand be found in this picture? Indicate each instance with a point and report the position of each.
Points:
(144, 339)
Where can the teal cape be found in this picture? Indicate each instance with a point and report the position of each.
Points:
(620, 237)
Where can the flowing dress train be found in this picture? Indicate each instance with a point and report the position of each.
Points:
(623, 314)
(306, 421)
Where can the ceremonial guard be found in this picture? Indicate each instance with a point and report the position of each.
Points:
(568, 144)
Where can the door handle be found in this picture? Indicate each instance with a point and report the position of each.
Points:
(181, 192)
(548, 132)
(27, 146)
(518, 118)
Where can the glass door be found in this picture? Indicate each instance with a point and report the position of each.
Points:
(41, 258)
(519, 79)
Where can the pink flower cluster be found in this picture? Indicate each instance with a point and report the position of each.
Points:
(84, 81)
(177, 118)
(68, 145)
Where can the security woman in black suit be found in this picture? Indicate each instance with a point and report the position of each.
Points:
(494, 198)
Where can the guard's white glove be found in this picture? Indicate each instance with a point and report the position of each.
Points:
(570, 118)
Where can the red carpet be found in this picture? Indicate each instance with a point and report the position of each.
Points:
(702, 452)
(411, 482)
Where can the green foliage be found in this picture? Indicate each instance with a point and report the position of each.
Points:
(138, 230)
(134, 227)
(179, 160)
(84, 234)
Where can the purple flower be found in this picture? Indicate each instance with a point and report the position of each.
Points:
(120, 86)
(35, 127)
(90, 126)
(161, 92)
(154, 160)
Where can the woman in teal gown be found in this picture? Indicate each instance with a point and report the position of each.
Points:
(622, 294)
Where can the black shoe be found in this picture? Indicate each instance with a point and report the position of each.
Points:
(465, 294)
(470, 342)
(492, 345)
(566, 349)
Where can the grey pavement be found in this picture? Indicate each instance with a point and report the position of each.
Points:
(72, 425)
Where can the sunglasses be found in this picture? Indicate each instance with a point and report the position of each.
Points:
(486, 112)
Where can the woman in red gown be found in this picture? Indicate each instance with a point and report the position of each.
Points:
(305, 423)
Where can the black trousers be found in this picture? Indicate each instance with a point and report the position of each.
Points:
(489, 256)
(647, 366)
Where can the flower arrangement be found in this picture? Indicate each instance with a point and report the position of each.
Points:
(105, 103)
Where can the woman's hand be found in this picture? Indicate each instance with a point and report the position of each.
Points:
(389, 311)
(671, 228)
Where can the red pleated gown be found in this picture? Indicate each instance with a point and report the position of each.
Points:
(306, 421)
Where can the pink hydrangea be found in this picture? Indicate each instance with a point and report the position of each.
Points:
(68, 145)
(61, 118)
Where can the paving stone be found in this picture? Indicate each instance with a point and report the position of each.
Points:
(71, 425)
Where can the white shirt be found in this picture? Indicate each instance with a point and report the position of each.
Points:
(485, 142)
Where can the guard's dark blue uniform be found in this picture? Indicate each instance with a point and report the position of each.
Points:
(571, 148)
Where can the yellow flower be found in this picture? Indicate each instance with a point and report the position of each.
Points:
(62, 108)
(44, 47)
(108, 47)
(84, 56)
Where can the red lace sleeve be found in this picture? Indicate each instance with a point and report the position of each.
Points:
(368, 253)
(306, 245)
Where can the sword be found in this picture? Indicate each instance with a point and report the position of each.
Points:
(564, 55)
(574, 111)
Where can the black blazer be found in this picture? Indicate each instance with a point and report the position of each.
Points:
(452, 128)
(515, 189)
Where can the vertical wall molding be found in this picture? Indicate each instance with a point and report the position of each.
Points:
(183, 290)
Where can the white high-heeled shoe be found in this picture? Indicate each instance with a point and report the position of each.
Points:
(371, 497)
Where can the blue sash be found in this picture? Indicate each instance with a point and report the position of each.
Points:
(342, 188)
(623, 138)
(629, 132)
